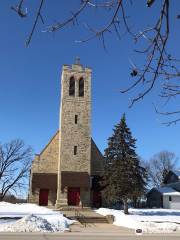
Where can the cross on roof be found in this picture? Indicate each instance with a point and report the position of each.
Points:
(77, 61)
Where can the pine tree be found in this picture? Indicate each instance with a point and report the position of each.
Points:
(124, 178)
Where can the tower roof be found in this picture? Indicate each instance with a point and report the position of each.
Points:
(77, 66)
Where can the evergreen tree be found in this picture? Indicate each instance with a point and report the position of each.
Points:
(124, 178)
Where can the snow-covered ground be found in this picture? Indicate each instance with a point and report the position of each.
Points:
(33, 218)
(149, 220)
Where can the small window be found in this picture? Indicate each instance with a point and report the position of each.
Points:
(81, 87)
(170, 198)
(72, 86)
(75, 150)
(76, 119)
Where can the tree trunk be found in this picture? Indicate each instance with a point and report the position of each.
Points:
(135, 202)
(1, 197)
(125, 206)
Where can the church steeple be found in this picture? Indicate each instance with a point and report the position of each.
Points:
(75, 122)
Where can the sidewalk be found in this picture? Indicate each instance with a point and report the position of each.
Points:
(94, 227)
(104, 228)
(100, 228)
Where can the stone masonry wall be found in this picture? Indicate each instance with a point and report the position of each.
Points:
(75, 134)
(47, 160)
(34, 196)
(88, 159)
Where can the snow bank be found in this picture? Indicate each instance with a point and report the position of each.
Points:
(149, 220)
(30, 223)
(22, 209)
(33, 218)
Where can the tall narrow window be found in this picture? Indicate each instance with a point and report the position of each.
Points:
(76, 119)
(72, 86)
(81, 87)
(75, 150)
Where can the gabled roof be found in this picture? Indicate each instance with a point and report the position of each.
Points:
(172, 176)
(57, 132)
(168, 191)
(177, 172)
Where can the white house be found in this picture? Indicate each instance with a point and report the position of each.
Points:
(170, 198)
(168, 195)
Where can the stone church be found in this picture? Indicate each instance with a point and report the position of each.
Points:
(68, 169)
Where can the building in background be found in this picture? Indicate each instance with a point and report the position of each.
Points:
(168, 195)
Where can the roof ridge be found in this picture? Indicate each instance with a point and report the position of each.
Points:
(49, 142)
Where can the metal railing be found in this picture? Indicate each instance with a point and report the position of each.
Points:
(81, 217)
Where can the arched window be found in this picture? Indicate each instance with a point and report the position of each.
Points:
(72, 86)
(81, 87)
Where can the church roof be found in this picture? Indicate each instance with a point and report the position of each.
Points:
(57, 132)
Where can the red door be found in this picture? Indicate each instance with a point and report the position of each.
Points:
(73, 196)
(43, 197)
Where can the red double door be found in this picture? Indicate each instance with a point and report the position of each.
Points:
(73, 196)
(43, 197)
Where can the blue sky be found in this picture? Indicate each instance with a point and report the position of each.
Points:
(30, 79)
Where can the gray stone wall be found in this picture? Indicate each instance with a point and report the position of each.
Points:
(47, 160)
(58, 155)
(85, 197)
(75, 134)
(52, 197)
(34, 196)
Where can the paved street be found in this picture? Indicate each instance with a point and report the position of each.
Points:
(91, 232)
(86, 236)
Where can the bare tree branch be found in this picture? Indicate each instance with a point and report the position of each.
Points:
(74, 16)
(159, 66)
(38, 16)
(15, 162)
(159, 165)
(19, 9)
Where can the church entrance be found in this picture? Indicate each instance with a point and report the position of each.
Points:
(43, 197)
(73, 196)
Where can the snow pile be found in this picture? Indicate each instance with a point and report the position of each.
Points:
(22, 209)
(149, 220)
(33, 218)
(30, 223)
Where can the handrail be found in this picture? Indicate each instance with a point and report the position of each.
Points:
(78, 215)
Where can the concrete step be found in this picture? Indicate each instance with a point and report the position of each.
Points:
(74, 208)
(85, 215)
(94, 220)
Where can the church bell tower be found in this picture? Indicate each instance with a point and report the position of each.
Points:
(74, 135)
